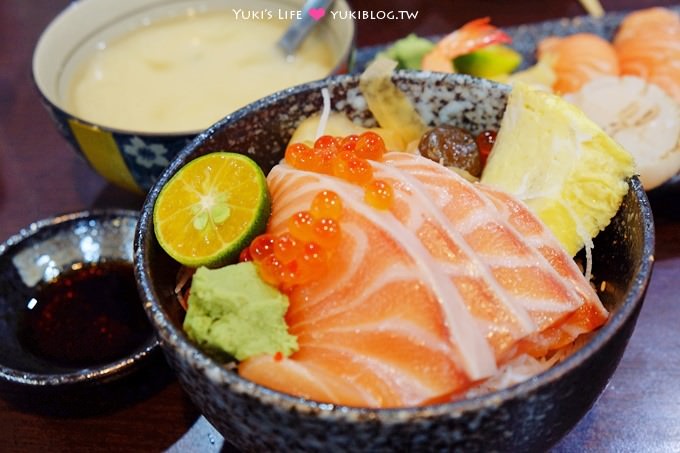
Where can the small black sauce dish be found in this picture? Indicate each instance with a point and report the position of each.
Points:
(70, 316)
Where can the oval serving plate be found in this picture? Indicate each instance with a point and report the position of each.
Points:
(525, 38)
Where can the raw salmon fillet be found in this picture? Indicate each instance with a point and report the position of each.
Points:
(648, 46)
(577, 59)
(424, 300)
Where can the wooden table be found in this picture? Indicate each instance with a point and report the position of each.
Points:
(41, 176)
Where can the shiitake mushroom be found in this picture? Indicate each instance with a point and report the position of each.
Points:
(453, 147)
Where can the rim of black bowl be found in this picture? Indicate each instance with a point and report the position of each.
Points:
(211, 367)
(108, 371)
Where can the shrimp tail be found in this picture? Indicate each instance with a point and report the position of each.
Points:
(473, 35)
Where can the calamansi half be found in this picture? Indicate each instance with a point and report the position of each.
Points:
(211, 209)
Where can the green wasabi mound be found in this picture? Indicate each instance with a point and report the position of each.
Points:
(233, 312)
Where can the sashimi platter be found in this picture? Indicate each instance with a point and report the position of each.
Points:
(391, 247)
(622, 70)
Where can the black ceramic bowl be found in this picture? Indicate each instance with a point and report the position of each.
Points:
(530, 416)
(40, 253)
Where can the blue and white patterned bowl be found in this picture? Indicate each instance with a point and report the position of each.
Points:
(134, 159)
(530, 416)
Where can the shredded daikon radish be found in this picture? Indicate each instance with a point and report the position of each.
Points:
(524, 366)
(513, 372)
(589, 259)
(183, 285)
(325, 113)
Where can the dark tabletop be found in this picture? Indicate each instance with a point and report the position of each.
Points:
(40, 176)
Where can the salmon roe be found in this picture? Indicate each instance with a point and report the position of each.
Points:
(301, 254)
(287, 248)
(326, 204)
(379, 194)
(300, 156)
(353, 169)
(301, 226)
(346, 158)
(485, 141)
(370, 146)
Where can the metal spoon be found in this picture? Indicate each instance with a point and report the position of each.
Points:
(300, 28)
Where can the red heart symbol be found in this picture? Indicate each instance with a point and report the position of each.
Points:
(317, 13)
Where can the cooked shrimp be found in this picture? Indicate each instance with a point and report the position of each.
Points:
(648, 46)
(577, 59)
(468, 38)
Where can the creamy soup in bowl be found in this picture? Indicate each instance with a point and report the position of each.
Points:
(130, 83)
(187, 72)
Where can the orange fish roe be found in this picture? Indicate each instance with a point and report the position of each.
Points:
(262, 246)
(301, 226)
(347, 166)
(326, 204)
(370, 145)
(300, 156)
(346, 158)
(287, 248)
(349, 143)
(379, 194)
(485, 141)
(301, 254)
(245, 255)
(327, 233)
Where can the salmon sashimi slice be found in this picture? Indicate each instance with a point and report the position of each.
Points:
(577, 59)
(424, 300)
(655, 20)
(391, 243)
(522, 255)
(589, 316)
(648, 46)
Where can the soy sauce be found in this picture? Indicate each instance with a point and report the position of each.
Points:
(87, 316)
